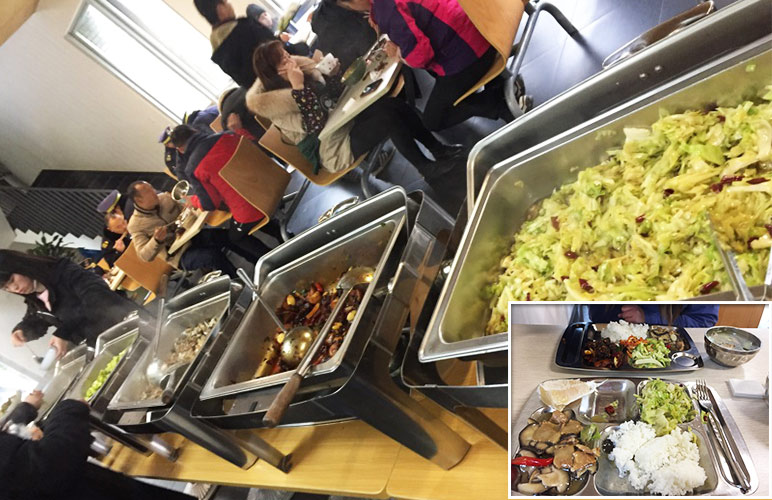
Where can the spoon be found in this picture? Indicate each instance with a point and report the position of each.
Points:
(35, 357)
(297, 339)
(347, 282)
(157, 368)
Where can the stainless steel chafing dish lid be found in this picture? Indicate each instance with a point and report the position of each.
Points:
(66, 373)
(719, 33)
(321, 253)
(458, 323)
(205, 301)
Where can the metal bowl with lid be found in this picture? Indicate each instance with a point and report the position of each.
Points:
(731, 346)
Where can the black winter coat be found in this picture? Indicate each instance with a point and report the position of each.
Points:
(344, 33)
(82, 305)
(56, 468)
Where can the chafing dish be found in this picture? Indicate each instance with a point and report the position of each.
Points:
(405, 238)
(133, 392)
(150, 416)
(66, 372)
(721, 32)
(458, 325)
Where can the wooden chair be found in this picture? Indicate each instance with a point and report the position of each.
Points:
(740, 315)
(257, 178)
(218, 217)
(263, 122)
(216, 125)
(146, 274)
(487, 17)
(274, 141)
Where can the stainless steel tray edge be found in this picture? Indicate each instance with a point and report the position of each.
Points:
(723, 489)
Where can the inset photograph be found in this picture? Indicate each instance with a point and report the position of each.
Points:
(639, 399)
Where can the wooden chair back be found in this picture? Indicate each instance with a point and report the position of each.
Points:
(274, 141)
(487, 17)
(147, 274)
(257, 178)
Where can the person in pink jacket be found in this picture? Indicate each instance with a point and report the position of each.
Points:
(438, 36)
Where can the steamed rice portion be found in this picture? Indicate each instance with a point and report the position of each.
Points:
(665, 465)
(621, 330)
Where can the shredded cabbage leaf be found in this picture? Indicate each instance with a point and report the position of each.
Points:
(635, 227)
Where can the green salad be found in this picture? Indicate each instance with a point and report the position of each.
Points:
(651, 353)
(104, 374)
(665, 405)
(635, 227)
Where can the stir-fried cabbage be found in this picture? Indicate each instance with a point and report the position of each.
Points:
(635, 227)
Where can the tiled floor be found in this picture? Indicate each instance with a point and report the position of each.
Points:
(554, 62)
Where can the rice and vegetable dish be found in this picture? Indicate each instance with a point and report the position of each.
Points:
(636, 226)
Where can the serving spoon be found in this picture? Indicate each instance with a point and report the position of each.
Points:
(347, 282)
(296, 340)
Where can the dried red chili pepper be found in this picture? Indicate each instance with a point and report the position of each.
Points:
(586, 286)
(707, 287)
(668, 192)
(758, 180)
(570, 254)
(640, 218)
(555, 223)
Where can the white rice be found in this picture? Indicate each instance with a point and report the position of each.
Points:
(665, 465)
(621, 330)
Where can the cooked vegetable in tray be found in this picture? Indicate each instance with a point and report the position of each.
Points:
(652, 351)
(635, 226)
(310, 307)
(104, 374)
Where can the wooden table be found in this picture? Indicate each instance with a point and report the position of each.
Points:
(193, 226)
(348, 458)
(351, 101)
(533, 356)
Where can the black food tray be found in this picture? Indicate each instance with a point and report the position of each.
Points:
(569, 353)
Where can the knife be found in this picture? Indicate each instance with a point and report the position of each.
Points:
(731, 446)
(730, 265)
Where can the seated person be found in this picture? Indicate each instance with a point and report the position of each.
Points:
(296, 97)
(235, 39)
(343, 32)
(116, 237)
(53, 464)
(61, 294)
(201, 120)
(151, 230)
(234, 114)
(208, 155)
(438, 36)
(696, 316)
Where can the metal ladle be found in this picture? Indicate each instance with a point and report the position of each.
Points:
(157, 369)
(347, 282)
(297, 339)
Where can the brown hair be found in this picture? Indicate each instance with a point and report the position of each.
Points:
(266, 60)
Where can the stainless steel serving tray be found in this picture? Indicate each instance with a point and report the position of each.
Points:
(606, 482)
(458, 324)
(66, 372)
(569, 353)
(130, 394)
(369, 245)
(109, 344)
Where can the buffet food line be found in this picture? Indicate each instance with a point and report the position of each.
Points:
(407, 384)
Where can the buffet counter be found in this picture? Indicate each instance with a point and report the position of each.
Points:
(529, 367)
(348, 458)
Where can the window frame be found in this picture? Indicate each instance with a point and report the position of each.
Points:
(139, 32)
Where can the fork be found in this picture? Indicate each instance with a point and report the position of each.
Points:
(703, 398)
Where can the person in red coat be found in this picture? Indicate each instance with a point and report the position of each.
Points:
(206, 155)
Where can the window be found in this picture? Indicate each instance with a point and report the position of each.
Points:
(153, 50)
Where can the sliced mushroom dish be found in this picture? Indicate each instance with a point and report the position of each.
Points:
(554, 456)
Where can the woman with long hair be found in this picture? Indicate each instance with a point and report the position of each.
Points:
(296, 97)
(61, 294)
